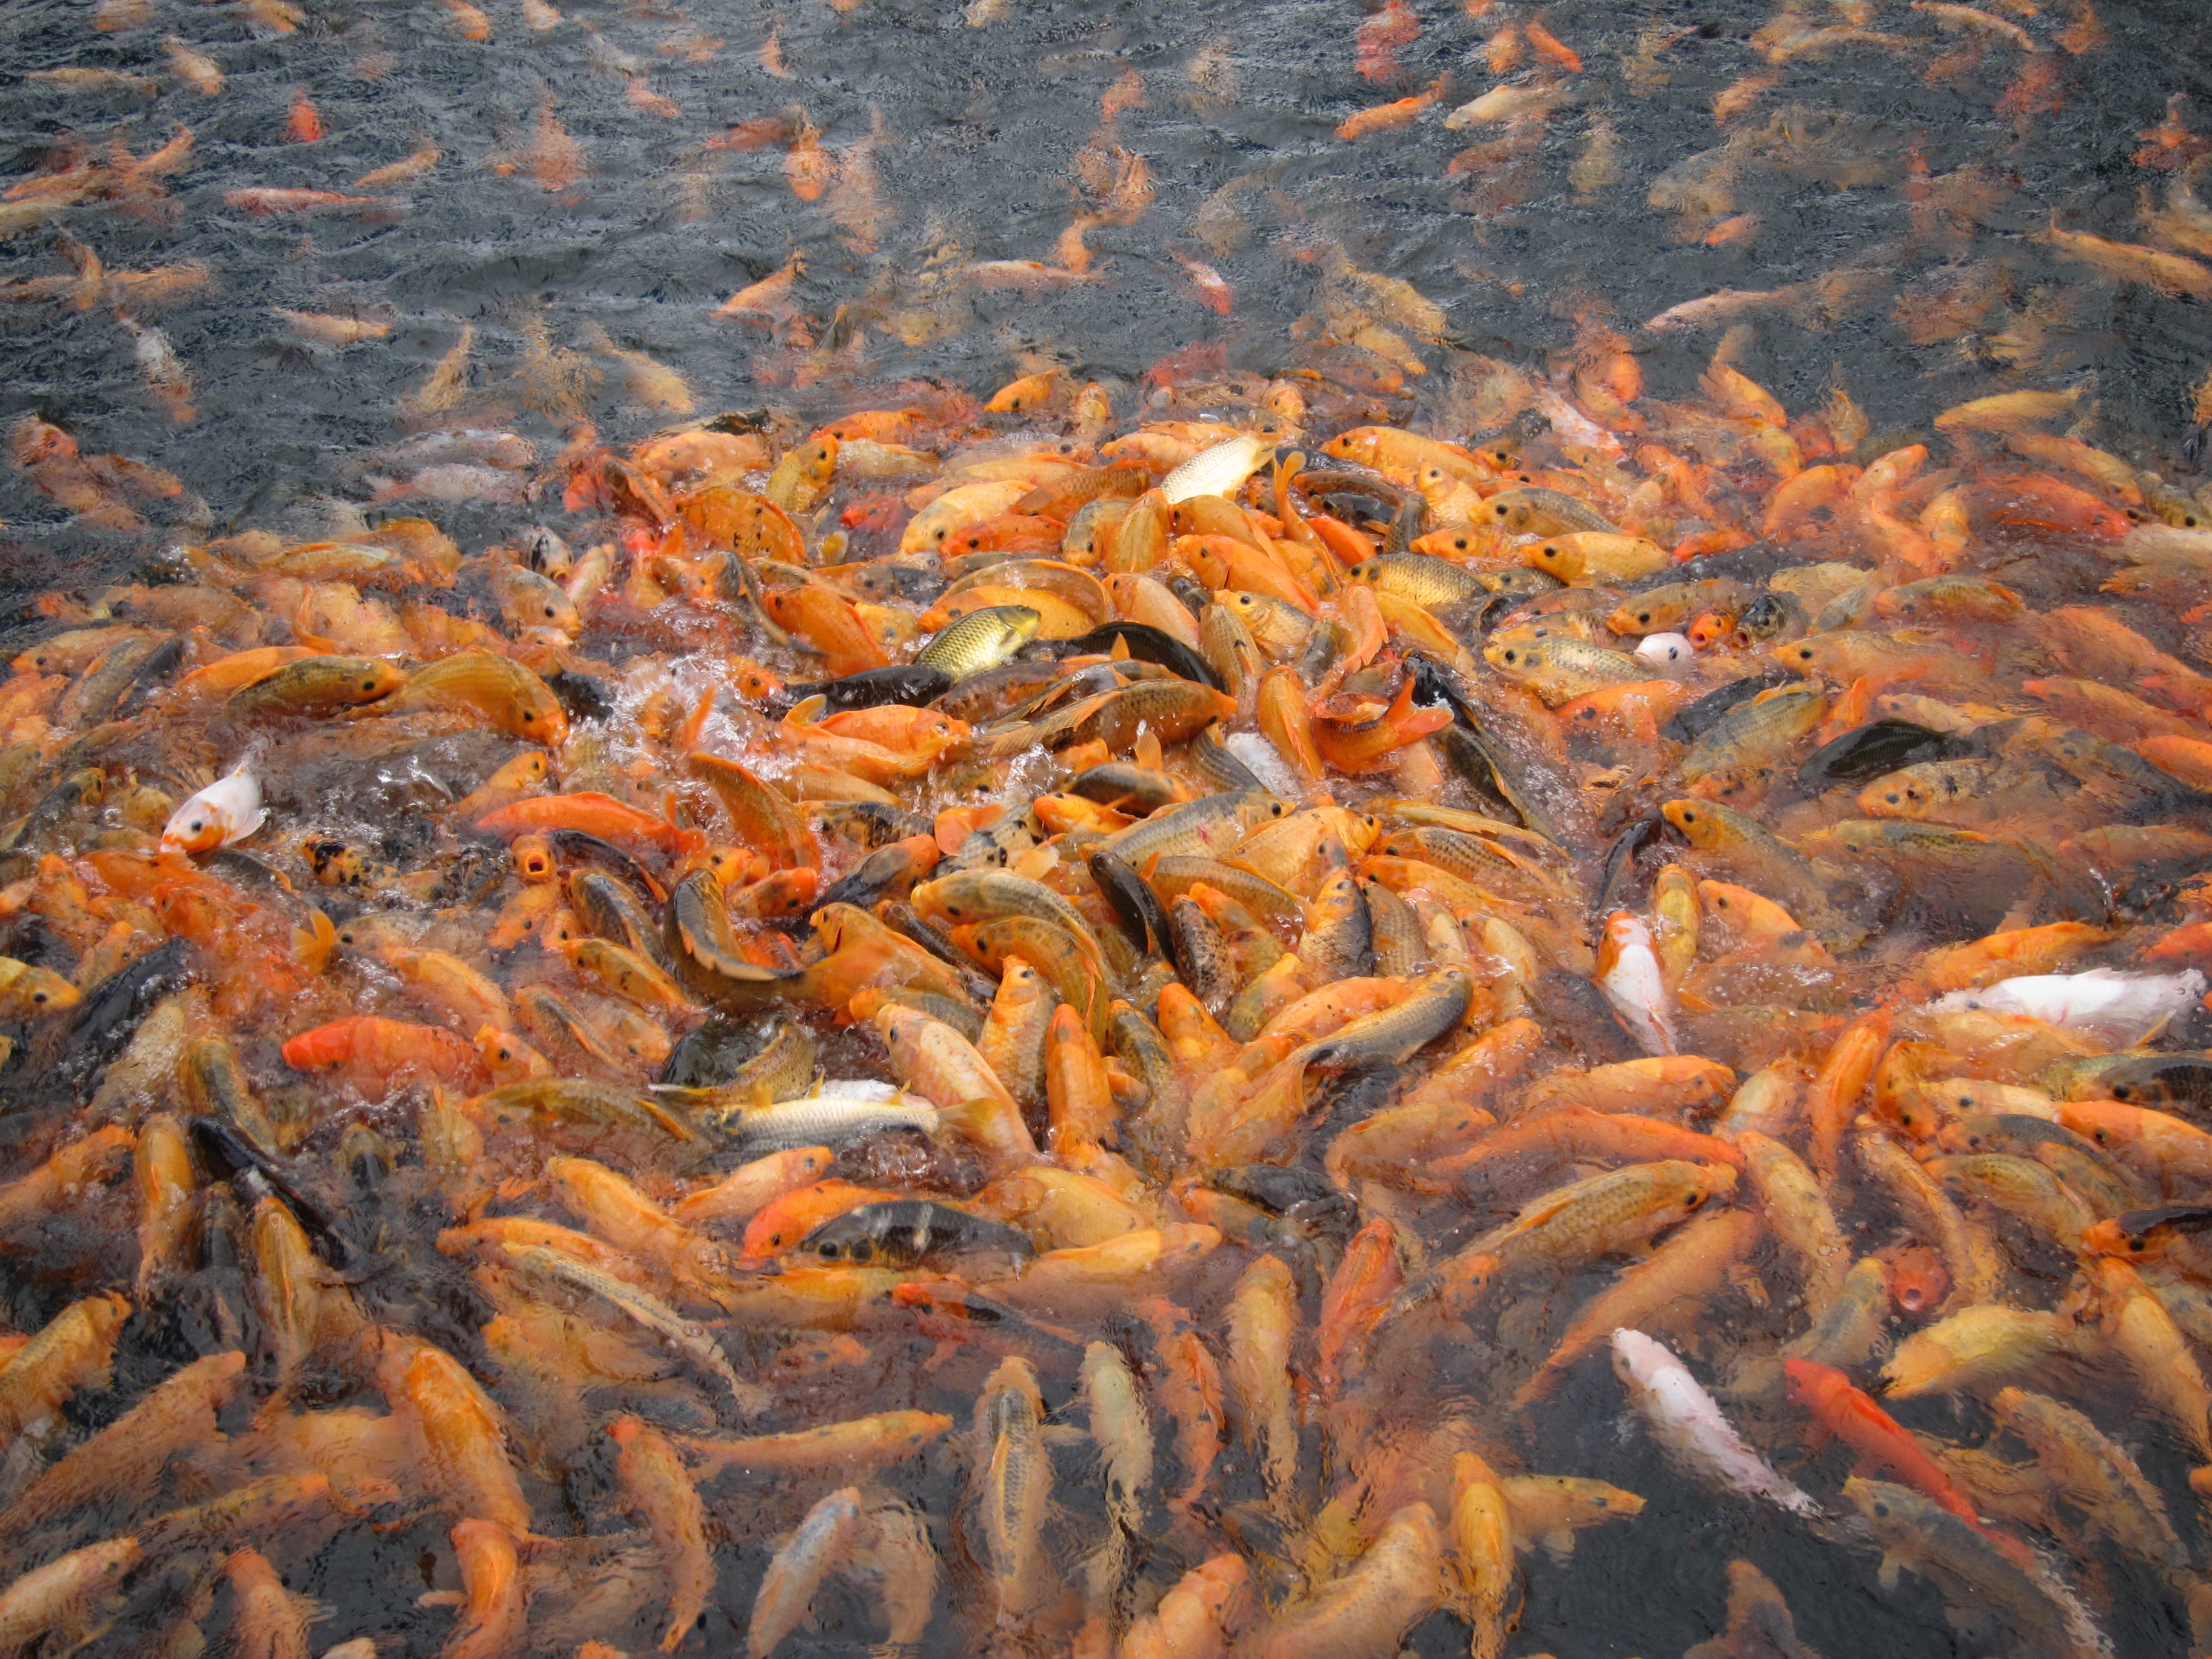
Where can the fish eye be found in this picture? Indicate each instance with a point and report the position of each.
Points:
(368, 685)
(1512, 655)
(829, 1251)
(38, 996)
(2137, 1243)
(1883, 1510)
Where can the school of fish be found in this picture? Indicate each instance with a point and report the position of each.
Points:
(1079, 1018)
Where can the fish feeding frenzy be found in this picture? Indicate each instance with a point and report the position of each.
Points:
(826, 1044)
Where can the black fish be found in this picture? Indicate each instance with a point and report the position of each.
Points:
(1700, 717)
(227, 1153)
(1769, 616)
(1304, 1198)
(873, 878)
(905, 1232)
(1620, 861)
(611, 909)
(2137, 1225)
(913, 684)
(1146, 644)
(1116, 781)
(111, 1009)
(576, 847)
(1134, 902)
(866, 824)
(1868, 751)
(581, 697)
(708, 1055)
(153, 670)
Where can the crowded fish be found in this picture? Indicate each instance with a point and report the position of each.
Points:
(1288, 1004)
(1221, 946)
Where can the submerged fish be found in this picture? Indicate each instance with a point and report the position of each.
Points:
(1177, 958)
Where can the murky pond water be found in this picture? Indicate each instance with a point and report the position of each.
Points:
(336, 265)
(950, 143)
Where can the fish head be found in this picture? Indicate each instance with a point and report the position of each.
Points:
(1708, 1181)
(378, 678)
(1798, 656)
(1258, 808)
(1697, 821)
(1918, 1280)
(2106, 1123)
(194, 827)
(1896, 1513)
(1515, 656)
(1708, 630)
(1637, 615)
(1555, 559)
(1635, 1357)
(1898, 795)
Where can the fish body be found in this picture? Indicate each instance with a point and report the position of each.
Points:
(828, 1536)
(1629, 974)
(905, 1232)
(1144, 941)
(833, 1111)
(1986, 1591)
(980, 640)
(1218, 470)
(1010, 1485)
(1392, 1587)
(682, 1335)
(1690, 1427)
(1606, 1212)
